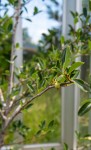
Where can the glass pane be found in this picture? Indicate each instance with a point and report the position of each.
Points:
(41, 22)
(39, 35)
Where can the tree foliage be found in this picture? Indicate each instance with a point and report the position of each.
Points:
(52, 69)
(53, 35)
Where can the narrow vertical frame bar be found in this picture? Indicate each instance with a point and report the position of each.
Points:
(70, 95)
(18, 39)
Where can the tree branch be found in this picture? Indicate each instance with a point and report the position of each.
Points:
(19, 108)
(3, 117)
(15, 102)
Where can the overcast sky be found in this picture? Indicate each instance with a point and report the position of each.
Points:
(40, 22)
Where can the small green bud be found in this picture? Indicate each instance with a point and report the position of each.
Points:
(57, 85)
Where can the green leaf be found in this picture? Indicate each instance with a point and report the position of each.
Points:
(10, 27)
(36, 11)
(84, 108)
(17, 45)
(16, 3)
(81, 84)
(42, 125)
(21, 12)
(90, 5)
(52, 148)
(89, 45)
(78, 135)
(74, 74)
(25, 9)
(67, 58)
(51, 124)
(1, 105)
(11, 1)
(28, 19)
(85, 11)
(11, 62)
(38, 133)
(63, 56)
(29, 106)
(61, 78)
(76, 20)
(17, 124)
(75, 65)
(62, 39)
(5, 13)
(30, 87)
(14, 57)
(72, 13)
(65, 146)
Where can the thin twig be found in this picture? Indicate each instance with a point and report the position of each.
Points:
(15, 102)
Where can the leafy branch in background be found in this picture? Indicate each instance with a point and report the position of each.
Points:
(53, 35)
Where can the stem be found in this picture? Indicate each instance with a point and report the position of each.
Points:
(7, 121)
(15, 102)
(19, 108)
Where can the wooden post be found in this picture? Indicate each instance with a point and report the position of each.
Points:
(70, 95)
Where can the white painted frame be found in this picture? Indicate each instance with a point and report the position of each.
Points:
(18, 39)
(47, 146)
(70, 95)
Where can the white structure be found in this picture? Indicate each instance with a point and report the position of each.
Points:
(18, 39)
(70, 95)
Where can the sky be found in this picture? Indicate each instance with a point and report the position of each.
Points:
(40, 22)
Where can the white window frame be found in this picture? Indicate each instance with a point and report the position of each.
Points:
(70, 95)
